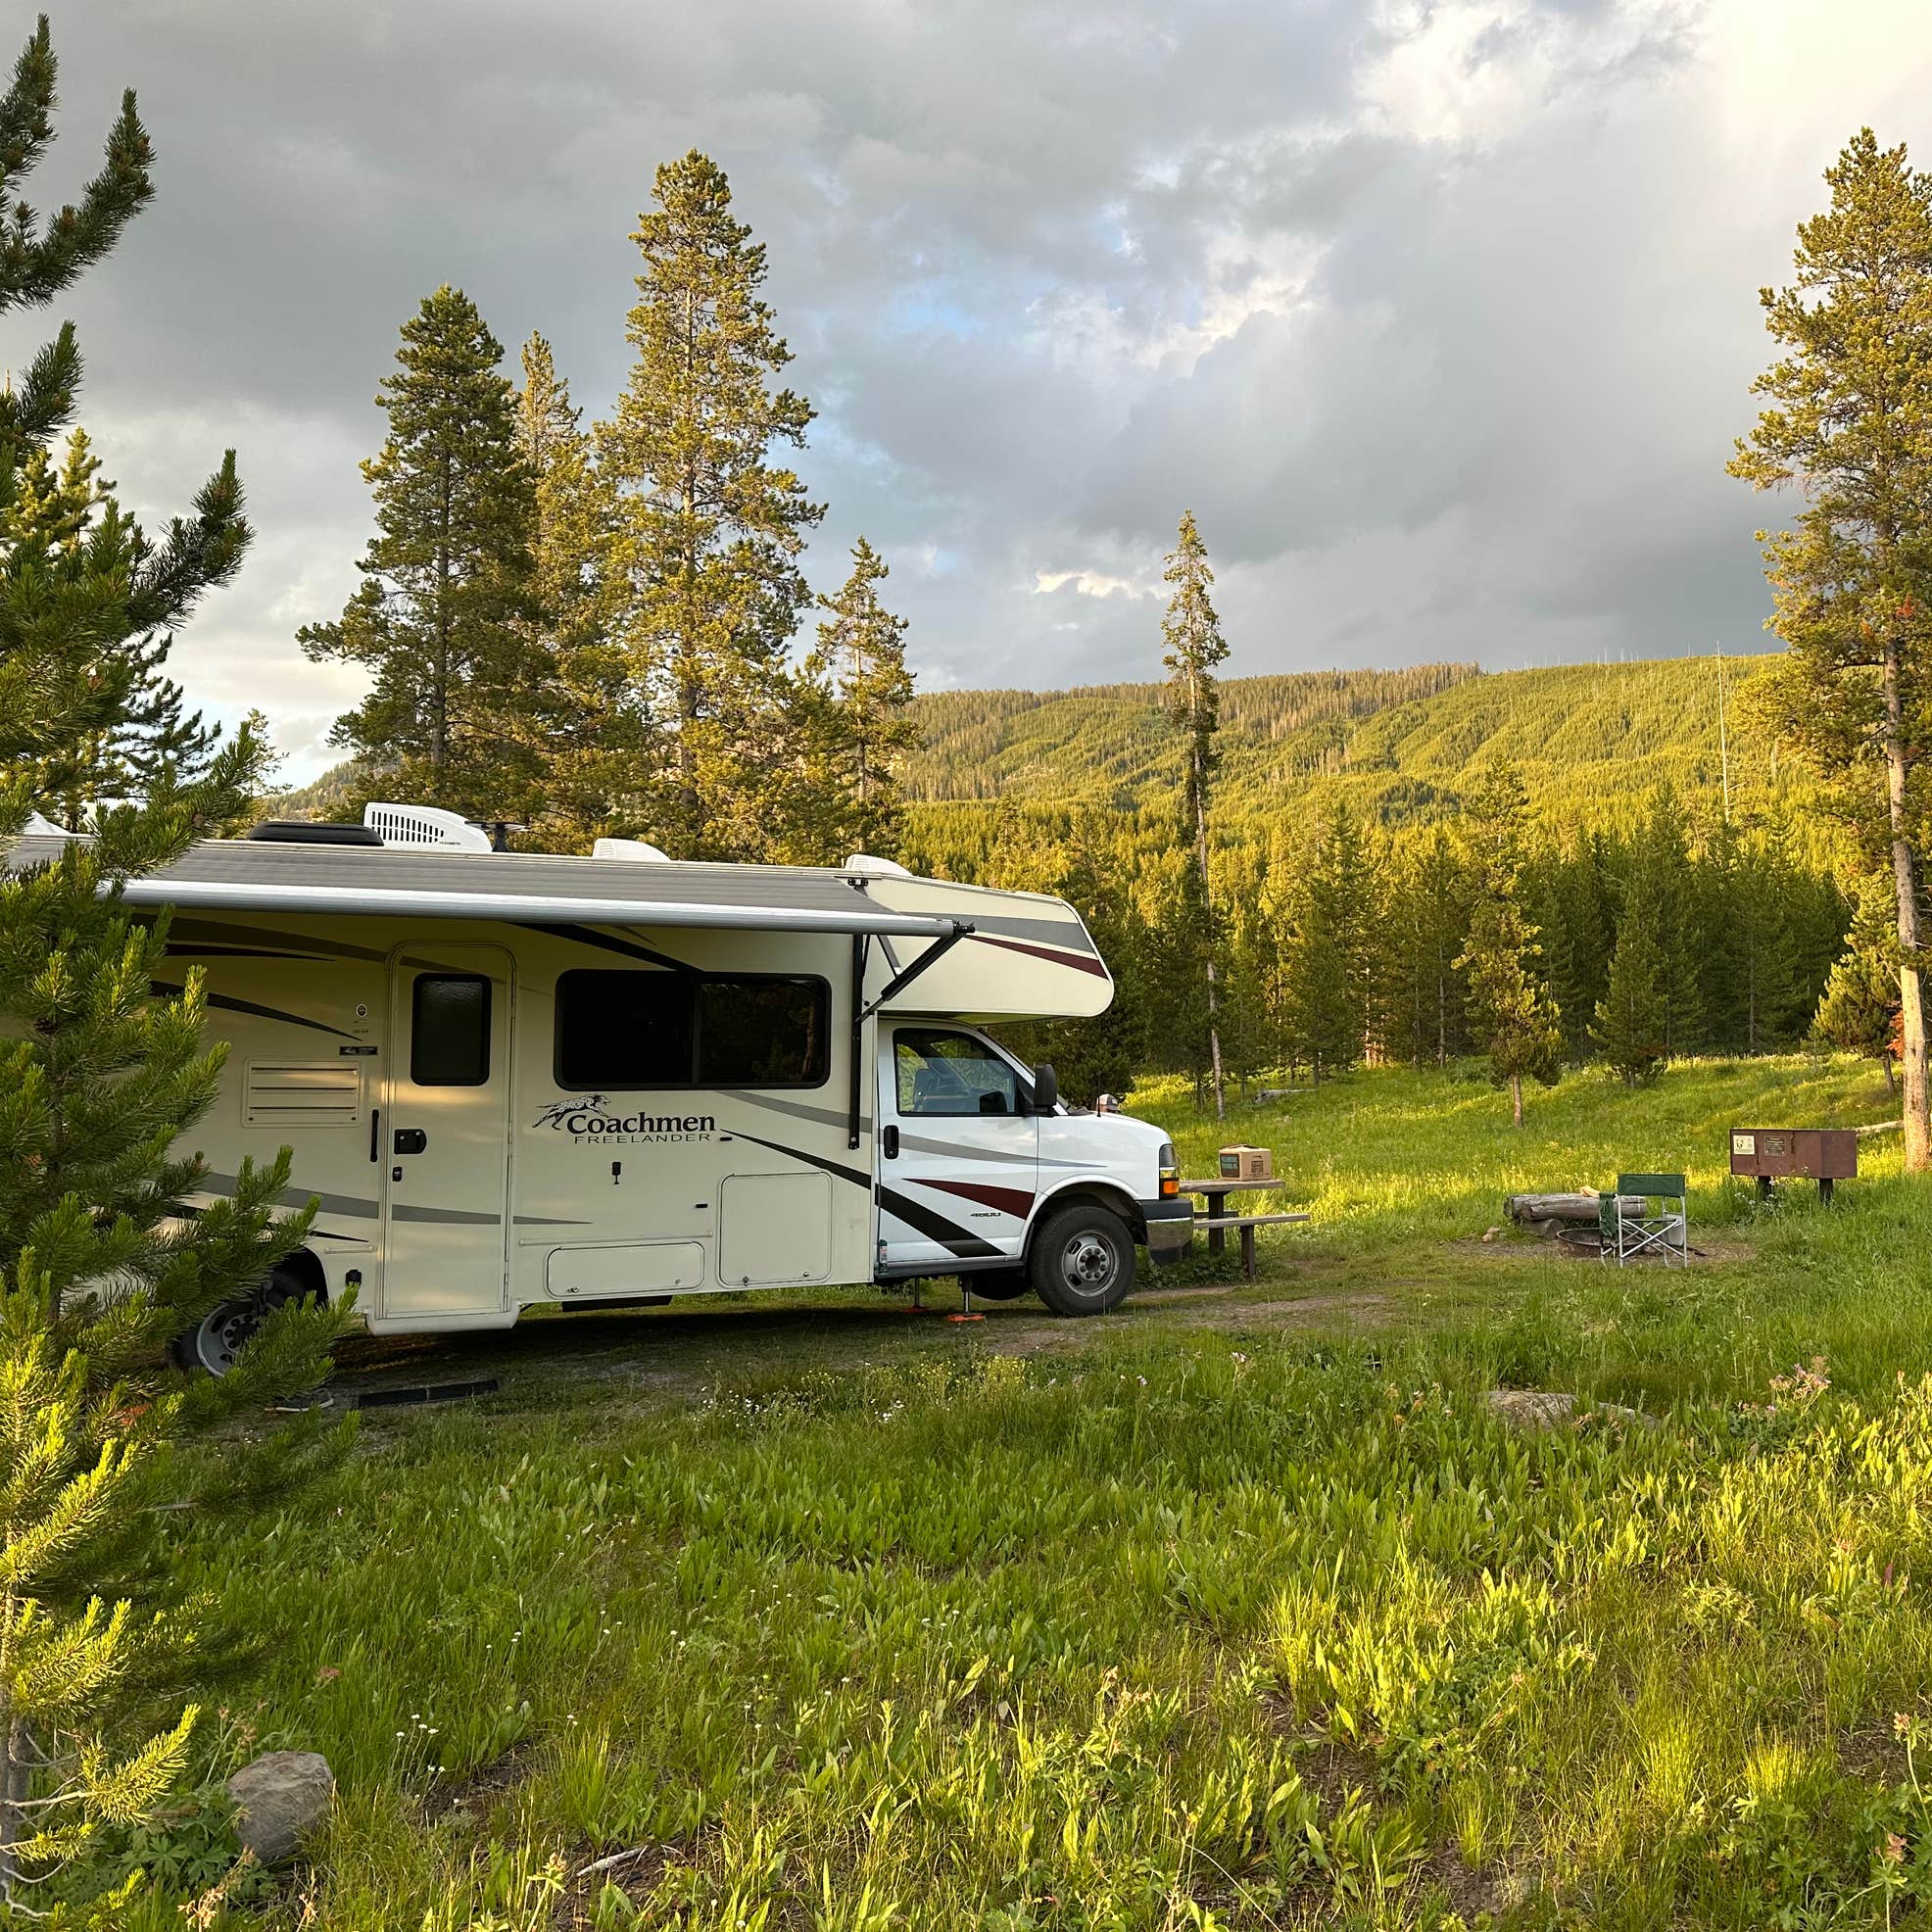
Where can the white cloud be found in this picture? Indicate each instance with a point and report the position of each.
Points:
(1440, 312)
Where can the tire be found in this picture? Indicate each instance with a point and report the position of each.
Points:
(1082, 1260)
(997, 1284)
(212, 1343)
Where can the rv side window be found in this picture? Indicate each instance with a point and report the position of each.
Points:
(450, 1030)
(951, 1073)
(762, 1033)
(656, 1028)
(624, 1029)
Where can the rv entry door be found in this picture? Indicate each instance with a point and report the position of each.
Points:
(958, 1150)
(444, 1136)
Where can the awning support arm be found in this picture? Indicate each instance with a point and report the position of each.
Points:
(933, 953)
(861, 941)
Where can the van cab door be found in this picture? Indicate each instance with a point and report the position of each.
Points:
(958, 1147)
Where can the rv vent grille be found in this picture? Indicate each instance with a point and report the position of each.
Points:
(302, 1093)
(425, 825)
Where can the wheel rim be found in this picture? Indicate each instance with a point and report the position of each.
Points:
(222, 1332)
(1088, 1264)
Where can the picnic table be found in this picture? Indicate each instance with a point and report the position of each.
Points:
(1217, 1220)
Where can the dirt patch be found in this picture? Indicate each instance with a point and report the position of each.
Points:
(635, 1873)
(475, 1791)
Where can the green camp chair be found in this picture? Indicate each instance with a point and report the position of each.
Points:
(1647, 1215)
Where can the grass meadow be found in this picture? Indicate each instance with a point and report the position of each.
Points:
(1236, 1609)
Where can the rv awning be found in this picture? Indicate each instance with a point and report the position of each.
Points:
(238, 874)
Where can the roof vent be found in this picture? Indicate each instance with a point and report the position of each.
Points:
(425, 828)
(630, 848)
(311, 832)
(866, 862)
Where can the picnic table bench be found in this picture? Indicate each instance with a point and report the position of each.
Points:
(1217, 1220)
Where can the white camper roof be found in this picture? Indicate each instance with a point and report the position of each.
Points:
(532, 888)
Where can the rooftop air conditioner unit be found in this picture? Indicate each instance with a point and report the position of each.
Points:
(425, 827)
(867, 862)
(630, 848)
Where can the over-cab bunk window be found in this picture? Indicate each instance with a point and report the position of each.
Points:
(660, 1029)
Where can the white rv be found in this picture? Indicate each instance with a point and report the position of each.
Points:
(518, 1081)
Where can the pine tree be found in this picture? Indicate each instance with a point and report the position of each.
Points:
(855, 689)
(1515, 1020)
(710, 527)
(589, 735)
(441, 618)
(97, 1080)
(1859, 1010)
(1429, 922)
(87, 689)
(1195, 648)
(1632, 1017)
(1850, 421)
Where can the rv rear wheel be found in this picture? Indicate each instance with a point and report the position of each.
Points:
(214, 1343)
(1082, 1260)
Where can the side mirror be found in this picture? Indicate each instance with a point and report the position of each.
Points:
(1045, 1089)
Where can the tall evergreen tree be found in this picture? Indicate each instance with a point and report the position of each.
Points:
(1515, 1020)
(710, 525)
(587, 729)
(441, 618)
(1859, 1010)
(1429, 925)
(855, 690)
(98, 1079)
(1333, 969)
(1631, 1019)
(1195, 650)
(1849, 421)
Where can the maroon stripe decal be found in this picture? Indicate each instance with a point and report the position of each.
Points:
(1016, 1201)
(1084, 962)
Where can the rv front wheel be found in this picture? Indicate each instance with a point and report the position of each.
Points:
(220, 1337)
(1082, 1260)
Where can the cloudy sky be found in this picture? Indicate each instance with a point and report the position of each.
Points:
(1442, 317)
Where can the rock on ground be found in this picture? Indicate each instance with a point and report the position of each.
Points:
(1543, 1408)
(282, 1797)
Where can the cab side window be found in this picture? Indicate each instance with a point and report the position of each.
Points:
(951, 1073)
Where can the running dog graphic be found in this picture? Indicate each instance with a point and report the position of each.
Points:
(554, 1114)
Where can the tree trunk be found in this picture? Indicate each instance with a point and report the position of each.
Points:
(1905, 876)
(1516, 1099)
(16, 1769)
(1207, 906)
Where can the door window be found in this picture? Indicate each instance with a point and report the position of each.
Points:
(951, 1073)
(450, 1030)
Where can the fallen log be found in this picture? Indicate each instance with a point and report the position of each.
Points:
(1548, 1212)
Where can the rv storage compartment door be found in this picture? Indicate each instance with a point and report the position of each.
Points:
(630, 1268)
(776, 1229)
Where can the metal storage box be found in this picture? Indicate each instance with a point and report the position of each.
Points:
(1803, 1153)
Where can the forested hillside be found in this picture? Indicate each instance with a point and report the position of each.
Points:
(1591, 742)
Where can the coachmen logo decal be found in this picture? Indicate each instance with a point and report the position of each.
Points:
(593, 1118)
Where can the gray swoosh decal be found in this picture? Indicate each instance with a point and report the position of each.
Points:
(953, 1152)
(826, 1116)
(358, 1208)
(351, 1205)
(227, 1003)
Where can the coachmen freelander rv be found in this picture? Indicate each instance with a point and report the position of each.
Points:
(517, 1080)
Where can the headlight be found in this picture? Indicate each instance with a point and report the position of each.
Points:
(1170, 1172)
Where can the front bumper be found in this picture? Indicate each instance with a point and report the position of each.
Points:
(1170, 1231)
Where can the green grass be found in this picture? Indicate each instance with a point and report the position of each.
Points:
(1236, 1609)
